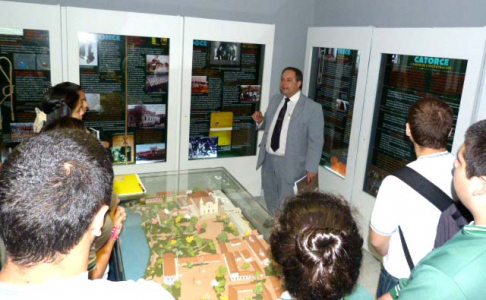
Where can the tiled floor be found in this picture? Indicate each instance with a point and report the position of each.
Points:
(370, 272)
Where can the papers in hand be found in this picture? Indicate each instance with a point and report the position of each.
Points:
(301, 186)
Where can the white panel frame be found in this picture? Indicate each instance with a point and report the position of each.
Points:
(242, 168)
(134, 24)
(457, 43)
(20, 16)
(355, 38)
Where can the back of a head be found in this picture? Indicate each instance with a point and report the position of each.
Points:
(317, 243)
(475, 150)
(51, 186)
(60, 100)
(430, 121)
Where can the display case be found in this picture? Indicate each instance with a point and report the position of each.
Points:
(200, 234)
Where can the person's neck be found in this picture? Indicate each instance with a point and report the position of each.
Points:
(72, 264)
(423, 151)
(478, 213)
(292, 95)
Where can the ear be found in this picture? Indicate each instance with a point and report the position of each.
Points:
(98, 221)
(407, 130)
(478, 186)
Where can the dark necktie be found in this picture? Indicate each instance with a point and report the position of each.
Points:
(275, 144)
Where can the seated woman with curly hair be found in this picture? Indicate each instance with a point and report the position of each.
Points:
(317, 243)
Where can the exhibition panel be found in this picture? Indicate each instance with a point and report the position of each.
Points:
(30, 60)
(130, 70)
(227, 67)
(336, 68)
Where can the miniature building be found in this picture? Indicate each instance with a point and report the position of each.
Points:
(234, 272)
(223, 248)
(204, 201)
(170, 269)
(241, 291)
(235, 242)
(153, 200)
(207, 259)
(168, 195)
(257, 247)
(246, 255)
(240, 224)
(256, 267)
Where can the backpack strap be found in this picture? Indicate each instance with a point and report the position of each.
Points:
(428, 190)
(424, 187)
(405, 250)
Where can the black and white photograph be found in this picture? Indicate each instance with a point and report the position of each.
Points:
(225, 53)
(88, 55)
(121, 154)
(203, 147)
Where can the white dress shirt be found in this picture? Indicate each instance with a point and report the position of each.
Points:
(285, 125)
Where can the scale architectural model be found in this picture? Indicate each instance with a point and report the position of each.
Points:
(201, 247)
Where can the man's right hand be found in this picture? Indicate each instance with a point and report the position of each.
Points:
(257, 117)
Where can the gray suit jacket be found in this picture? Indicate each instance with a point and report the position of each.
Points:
(305, 137)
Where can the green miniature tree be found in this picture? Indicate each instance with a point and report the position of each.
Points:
(223, 237)
(245, 266)
(259, 291)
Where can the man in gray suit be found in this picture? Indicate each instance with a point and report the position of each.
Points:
(292, 140)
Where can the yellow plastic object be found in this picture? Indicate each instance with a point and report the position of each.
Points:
(128, 186)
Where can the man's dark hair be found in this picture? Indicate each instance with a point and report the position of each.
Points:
(60, 100)
(50, 189)
(430, 121)
(298, 74)
(475, 150)
(317, 243)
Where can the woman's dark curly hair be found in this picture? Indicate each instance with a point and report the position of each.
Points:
(317, 243)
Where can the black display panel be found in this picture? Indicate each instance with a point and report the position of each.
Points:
(126, 81)
(25, 73)
(226, 90)
(405, 79)
(334, 74)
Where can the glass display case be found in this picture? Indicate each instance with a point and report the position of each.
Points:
(200, 234)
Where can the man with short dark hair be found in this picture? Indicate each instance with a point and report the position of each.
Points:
(292, 140)
(54, 193)
(429, 124)
(456, 269)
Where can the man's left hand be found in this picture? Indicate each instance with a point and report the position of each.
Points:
(311, 177)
